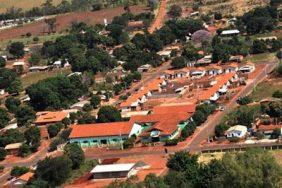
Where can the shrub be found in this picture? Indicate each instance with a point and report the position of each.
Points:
(3, 154)
(234, 139)
(172, 142)
(24, 150)
(277, 94)
(54, 144)
(19, 170)
(244, 100)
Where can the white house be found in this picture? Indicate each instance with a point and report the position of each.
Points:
(214, 70)
(144, 68)
(230, 32)
(197, 73)
(238, 131)
(247, 68)
(232, 67)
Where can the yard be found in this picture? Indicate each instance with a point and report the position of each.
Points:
(34, 77)
(277, 155)
(266, 88)
(260, 57)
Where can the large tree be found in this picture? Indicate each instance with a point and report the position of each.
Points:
(74, 152)
(108, 114)
(25, 115)
(54, 170)
(16, 49)
(4, 117)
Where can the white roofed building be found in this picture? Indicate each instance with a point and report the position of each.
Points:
(113, 171)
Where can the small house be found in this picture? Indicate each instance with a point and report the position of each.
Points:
(48, 117)
(22, 180)
(232, 67)
(238, 131)
(247, 68)
(135, 25)
(39, 68)
(229, 33)
(13, 149)
(113, 171)
(144, 68)
(214, 70)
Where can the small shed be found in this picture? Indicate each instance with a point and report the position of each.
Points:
(113, 171)
(13, 148)
(238, 131)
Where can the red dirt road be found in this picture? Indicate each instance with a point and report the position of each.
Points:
(158, 22)
(65, 20)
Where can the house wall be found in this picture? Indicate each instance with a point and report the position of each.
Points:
(100, 141)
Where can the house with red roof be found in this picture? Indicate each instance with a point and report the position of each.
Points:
(103, 134)
(135, 101)
(49, 117)
(220, 87)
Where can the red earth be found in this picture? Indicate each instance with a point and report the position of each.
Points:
(65, 20)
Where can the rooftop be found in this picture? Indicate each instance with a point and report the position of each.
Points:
(100, 129)
(26, 176)
(13, 146)
(112, 168)
(190, 108)
(50, 117)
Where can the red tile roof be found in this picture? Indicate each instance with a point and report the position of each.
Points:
(269, 127)
(152, 86)
(100, 129)
(25, 177)
(50, 117)
(221, 80)
(174, 109)
(166, 123)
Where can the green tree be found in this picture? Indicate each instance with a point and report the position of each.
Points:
(34, 59)
(220, 129)
(18, 171)
(74, 152)
(25, 115)
(32, 136)
(182, 161)
(24, 150)
(175, 11)
(178, 63)
(95, 101)
(2, 62)
(53, 130)
(3, 154)
(153, 181)
(87, 108)
(12, 104)
(16, 49)
(54, 170)
(279, 55)
(108, 114)
(4, 117)
(259, 46)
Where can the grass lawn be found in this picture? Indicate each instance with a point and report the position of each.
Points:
(277, 155)
(266, 88)
(24, 4)
(34, 77)
(29, 40)
(260, 57)
(84, 168)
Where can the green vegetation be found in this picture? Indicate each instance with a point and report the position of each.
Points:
(266, 88)
(108, 114)
(3, 154)
(75, 154)
(18, 171)
(230, 171)
(56, 92)
(4, 117)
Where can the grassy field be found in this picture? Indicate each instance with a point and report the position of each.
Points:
(24, 4)
(260, 57)
(266, 88)
(34, 77)
(28, 40)
(277, 155)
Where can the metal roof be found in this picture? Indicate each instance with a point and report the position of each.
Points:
(112, 168)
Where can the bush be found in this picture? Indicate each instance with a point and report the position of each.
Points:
(129, 143)
(277, 94)
(220, 129)
(3, 154)
(172, 142)
(97, 6)
(54, 129)
(234, 139)
(244, 100)
(24, 150)
(2, 168)
(19, 170)
(55, 143)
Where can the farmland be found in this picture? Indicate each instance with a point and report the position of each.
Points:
(23, 4)
(65, 20)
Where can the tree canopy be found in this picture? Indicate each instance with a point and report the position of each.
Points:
(108, 114)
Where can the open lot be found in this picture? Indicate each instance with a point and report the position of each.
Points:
(34, 77)
(65, 20)
(23, 4)
(266, 88)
